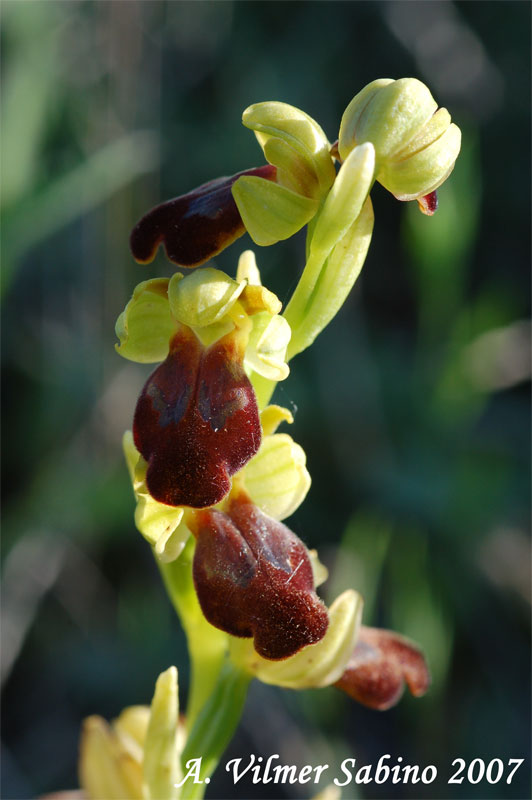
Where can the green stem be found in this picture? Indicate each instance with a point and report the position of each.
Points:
(213, 730)
(207, 645)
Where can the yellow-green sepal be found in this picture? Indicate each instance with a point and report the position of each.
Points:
(277, 478)
(162, 526)
(146, 325)
(425, 170)
(351, 116)
(271, 212)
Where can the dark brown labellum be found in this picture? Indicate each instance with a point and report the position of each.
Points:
(381, 663)
(195, 226)
(196, 422)
(253, 577)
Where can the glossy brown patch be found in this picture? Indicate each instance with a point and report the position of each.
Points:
(195, 226)
(196, 422)
(254, 578)
(428, 204)
(381, 663)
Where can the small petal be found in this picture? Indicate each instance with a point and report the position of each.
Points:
(247, 269)
(196, 421)
(277, 477)
(319, 664)
(146, 325)
(195, 226)
(293, 171)
(272, 416)
(381, 663)
(254, 578)
(271, 212)
(161, 765)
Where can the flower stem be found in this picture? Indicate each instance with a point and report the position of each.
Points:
(207, 645)
(214, 728)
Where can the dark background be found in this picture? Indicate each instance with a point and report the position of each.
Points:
(413, 406)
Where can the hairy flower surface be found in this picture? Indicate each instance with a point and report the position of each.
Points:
(195, 226)
(380, 665)
(276, 479)
(196, 422)
(254, 578)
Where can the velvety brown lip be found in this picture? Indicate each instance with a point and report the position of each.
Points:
(195, 226)
(196, 422)
(254, 578)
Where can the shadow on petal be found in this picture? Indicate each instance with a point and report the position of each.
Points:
(382, 662)
(195, 226)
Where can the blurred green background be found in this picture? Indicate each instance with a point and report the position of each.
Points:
(413, 406)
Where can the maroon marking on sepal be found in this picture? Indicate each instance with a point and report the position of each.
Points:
(196, 422)
(381, 663)
(428, 204)
(254, 578)
(195, 226)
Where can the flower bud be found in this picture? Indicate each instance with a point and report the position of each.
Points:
(296, 146)
(254, 578)
(415, 144)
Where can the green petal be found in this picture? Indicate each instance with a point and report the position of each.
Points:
(271, 212)
(146, 325)
(277, 478)
(203, 297)
(162, 769)
(286, 122)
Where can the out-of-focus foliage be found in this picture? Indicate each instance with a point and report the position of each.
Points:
(413, 406)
